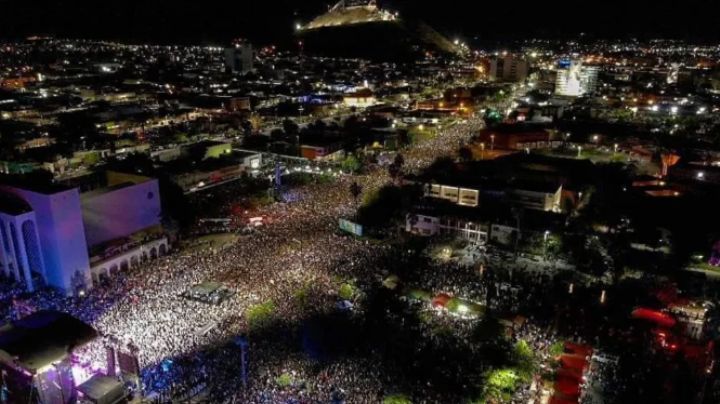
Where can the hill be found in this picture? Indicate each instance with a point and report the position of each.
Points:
(363, 30)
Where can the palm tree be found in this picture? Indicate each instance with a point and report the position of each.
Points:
(355, 191)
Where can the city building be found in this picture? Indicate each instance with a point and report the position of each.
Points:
(509, 69)
(240, 58)
(575, 79)
(122, 205)
(429, 225)
(362, 98)
(212, 171)
(518, 137)
(47, 231)
(321, 150)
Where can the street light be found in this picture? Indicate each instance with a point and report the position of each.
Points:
(579, 151)
(302, 258)
(492, 142)
(546, 235)
(482, 148)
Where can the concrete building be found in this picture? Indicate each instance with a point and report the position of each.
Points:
(48, 230)
(429, 225)
(124, 205)
(536, 196)
(19, 253)
(57, 253)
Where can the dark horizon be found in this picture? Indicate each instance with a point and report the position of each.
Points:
(215, 22)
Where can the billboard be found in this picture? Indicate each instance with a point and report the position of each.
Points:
(350, 227)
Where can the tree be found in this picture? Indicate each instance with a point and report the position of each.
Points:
(277, 135)
(351, 163)
(500, 385)
(355, 191)
(290, 127)
(395, 169)
(525, 360)
(396, 399)
(465, 154)
(386, 204)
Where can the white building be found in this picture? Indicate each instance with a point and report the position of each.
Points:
(576, 80)
(20, 255)
(426, 225)
(46, 231)
(543, 197)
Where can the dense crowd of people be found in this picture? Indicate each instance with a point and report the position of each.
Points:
(185, 347)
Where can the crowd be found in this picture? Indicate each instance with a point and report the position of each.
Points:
(185, 347)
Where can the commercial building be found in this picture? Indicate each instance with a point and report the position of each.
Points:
(574, 79)
(509, 69)
(518, 137)
(432, 225)
(240, 58)
(209, 172)
(530, 181)
(362, 98)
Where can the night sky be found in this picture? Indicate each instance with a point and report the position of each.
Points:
(264, 21)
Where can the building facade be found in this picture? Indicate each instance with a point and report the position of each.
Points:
(240, 58)
(46, 233)
(48, 241)
(575, 80)
(509, 69)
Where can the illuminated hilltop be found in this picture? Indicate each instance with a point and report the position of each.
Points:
(354, 28)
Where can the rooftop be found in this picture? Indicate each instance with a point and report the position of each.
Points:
(42, 338)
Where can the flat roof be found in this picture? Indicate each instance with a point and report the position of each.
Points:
(106, 189)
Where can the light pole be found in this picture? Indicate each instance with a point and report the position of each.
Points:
(302, 258)
(579, 151)
(492, 142)
(482, 151)
(546, 235)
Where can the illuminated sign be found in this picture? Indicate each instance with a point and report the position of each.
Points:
(350, 227)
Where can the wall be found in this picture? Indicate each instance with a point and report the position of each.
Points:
(62, 235)
(122, 212)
